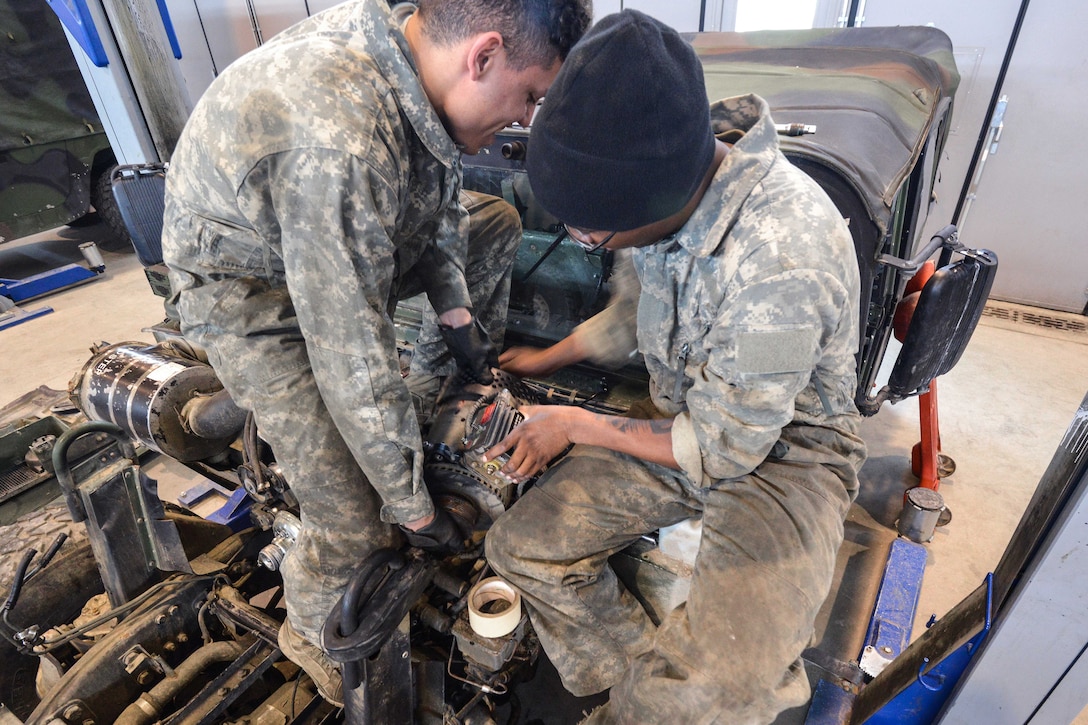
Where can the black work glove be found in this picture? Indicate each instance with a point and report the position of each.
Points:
(442, 536)
(471, 348)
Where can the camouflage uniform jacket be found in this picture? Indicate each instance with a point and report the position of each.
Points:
(748, 316)
(312, 176)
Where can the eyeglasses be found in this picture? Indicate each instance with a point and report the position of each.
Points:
(582, 237)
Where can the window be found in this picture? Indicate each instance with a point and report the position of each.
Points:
(774, 14)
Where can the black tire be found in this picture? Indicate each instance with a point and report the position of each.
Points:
(54, 596)
(106, 205)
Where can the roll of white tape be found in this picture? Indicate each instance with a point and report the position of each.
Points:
(494, 608)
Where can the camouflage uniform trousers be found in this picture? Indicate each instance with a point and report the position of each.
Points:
(731, 653)
(271, 376)
(497, 224)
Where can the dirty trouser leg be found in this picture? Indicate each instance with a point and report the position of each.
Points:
(340, 509)
(493, 239)
(765, 563)
(554, 544)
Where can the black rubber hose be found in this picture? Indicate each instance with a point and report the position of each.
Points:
(360, 588)
(213, 416)
(49, 554)
(63, 469)
(363, 585)
(17, 583)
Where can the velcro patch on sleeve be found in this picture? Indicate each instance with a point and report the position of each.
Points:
(776, 351)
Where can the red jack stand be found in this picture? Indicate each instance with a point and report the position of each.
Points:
(923, 507)
(926, 460)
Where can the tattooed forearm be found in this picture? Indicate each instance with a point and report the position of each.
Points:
(647, 438)
(640, 425)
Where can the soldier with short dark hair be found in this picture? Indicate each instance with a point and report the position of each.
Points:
(318, 182)
(747, 320)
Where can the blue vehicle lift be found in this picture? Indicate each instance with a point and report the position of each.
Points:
(39, 285)
(1014, 650)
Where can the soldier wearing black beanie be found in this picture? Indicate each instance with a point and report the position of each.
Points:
(747, 322)
(619, 150)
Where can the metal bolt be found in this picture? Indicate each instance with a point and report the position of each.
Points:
(144, 677)
(72, 712)
(886, 649)
(404, 655)
(173, 609)
(182, 637)
(160, 619)
(169, 646)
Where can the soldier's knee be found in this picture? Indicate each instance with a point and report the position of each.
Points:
(495, 547)
(508, 224)
(502, 548)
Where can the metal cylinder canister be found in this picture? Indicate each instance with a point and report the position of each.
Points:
(143, 389)
(90, 252)
(922, 509)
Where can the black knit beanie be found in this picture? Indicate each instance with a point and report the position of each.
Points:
(623, 138)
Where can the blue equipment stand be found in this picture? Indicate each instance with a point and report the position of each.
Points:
(19, 290)
(17, 316)
(38, 285)
(234, 510)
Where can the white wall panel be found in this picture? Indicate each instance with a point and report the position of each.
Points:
(680, 14)
(1032, 188)
(274, 16)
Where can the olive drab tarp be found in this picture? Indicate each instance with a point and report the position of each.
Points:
(873, 94)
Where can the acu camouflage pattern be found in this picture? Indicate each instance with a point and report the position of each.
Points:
(740, 313)
(765, 266)
(50, 133)
(312, 188)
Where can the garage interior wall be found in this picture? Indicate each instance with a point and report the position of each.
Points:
(1026, 194)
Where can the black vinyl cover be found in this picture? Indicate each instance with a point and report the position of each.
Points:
(874, 95)
(948, 310)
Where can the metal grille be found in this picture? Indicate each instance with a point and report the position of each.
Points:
(1037, 317)
(15, 480)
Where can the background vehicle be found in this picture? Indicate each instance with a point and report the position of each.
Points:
(55, 158)
(196, 638)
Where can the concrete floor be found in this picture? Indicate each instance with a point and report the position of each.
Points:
(1003, 409)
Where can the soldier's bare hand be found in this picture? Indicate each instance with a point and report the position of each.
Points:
(527, 361)
(544, 434)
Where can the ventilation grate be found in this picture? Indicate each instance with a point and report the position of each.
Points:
(1036, 317)
(15, 480)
